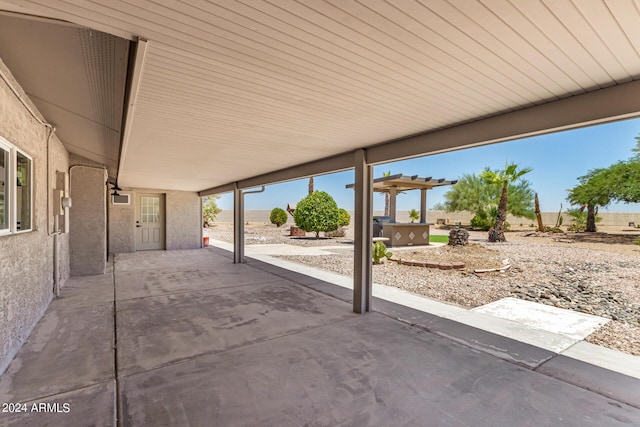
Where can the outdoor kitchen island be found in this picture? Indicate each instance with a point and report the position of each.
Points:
(404, 234)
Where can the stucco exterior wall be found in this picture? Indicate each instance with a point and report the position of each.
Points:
(88, 218)
(183, 218)
(26, 260)
(122, 226)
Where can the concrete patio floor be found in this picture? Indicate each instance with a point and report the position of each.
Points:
(189, 338)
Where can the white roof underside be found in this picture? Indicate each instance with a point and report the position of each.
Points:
(234, 89)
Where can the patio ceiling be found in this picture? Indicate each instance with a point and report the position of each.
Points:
(234, 89)
(75, 77)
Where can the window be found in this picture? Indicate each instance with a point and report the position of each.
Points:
(23, 192)
(16, 189)
(4, 182)
(150, 209)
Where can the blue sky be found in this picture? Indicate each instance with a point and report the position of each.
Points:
(557, 161)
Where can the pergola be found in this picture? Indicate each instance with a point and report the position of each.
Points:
(406, 234)
(399, 183)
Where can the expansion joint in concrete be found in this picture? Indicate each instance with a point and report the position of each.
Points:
(115, 344)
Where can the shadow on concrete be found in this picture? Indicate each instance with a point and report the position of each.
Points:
(188, 338)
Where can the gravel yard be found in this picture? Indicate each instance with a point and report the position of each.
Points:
(596, 274)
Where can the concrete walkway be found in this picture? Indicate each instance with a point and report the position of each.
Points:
(557, 330)
(188, 338)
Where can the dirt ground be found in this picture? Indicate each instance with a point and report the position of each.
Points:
(607, 238)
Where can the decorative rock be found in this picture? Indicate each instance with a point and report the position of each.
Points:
(458, 237)
(297, 232)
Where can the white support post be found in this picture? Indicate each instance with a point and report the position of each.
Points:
(393, 194)
(362, 273)
(423, 206)
(238, 226)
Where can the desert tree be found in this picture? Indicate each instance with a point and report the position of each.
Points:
(474, 194)
(210, 210)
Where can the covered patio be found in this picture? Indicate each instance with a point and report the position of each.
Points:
(146, 96)
(189, 338)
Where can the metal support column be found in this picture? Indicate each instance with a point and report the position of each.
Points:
(393, 194)
(238, 226)
(423, 206)
(362, 273)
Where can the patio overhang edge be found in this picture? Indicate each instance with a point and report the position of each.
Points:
(601, 106)
(604, 105)
(327, 165)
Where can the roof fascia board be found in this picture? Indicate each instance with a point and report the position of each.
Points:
(605, 105)
(331, 164)
(227, 188)
(131, 97)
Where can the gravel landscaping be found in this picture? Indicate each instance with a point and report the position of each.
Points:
(597, 274)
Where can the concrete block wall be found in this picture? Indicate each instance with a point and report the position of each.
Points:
(26, 259)
(619, 219)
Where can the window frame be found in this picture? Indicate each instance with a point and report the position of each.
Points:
(8, 194)
(11, 193)
(15, 193)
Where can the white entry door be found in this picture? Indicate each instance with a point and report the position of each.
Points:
(150, 224)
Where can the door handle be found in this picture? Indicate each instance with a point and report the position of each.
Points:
(138, 225)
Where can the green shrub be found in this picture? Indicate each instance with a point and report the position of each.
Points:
(210, 210)
(549, 229)
(482, 221)
(317, 212)
(344, 218)
(579, 217)
(637, 241)
(278, 216)
(414, 215)
(379, 252)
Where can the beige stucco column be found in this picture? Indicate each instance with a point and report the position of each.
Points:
(238, 226)
(423, 206)
(363, 212)
(393, 193)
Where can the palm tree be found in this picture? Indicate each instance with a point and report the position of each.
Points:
(503, 178)
(311, 185)
(387, 201)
